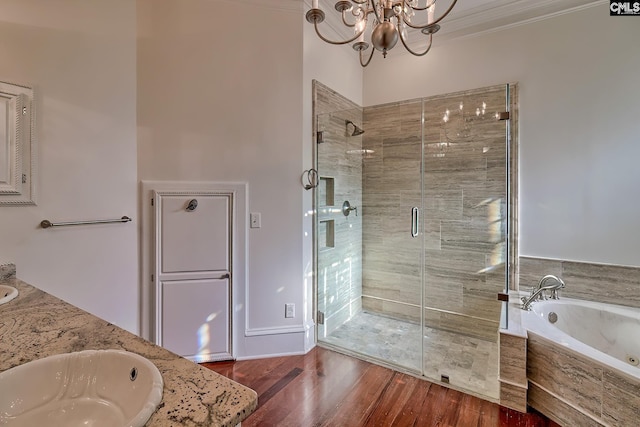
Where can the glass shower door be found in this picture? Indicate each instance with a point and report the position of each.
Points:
(465, 223)
(371, 257)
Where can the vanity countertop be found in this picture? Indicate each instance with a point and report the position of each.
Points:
(36, 325)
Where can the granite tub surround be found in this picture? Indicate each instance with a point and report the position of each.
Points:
(37, 325)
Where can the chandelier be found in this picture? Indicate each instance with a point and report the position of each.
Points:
(387, 21)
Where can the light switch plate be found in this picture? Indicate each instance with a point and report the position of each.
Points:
(255, 220)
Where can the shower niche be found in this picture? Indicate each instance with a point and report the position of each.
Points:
(411, 282)
(326, 226)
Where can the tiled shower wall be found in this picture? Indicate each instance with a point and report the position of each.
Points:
(464, 213)
(339, 253)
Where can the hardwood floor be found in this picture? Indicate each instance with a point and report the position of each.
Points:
(325, 388)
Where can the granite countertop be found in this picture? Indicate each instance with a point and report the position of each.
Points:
(36, 325)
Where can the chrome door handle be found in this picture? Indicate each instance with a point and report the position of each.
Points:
(415, 220)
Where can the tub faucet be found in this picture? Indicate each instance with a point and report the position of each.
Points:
(538, 292)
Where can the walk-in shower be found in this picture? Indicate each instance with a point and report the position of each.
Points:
(412, 280)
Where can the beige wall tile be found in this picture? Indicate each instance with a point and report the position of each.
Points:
(621, 399)
(513, 359)
(513, 397)
(557, 410)
(565, 373)
(606, 283)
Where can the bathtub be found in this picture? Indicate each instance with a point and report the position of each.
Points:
(609, 334)
(582, 362)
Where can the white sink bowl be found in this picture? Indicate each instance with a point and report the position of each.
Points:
(7, 293)
(95, 388)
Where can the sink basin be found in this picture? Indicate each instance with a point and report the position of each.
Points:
(96, 388)
(7, 293)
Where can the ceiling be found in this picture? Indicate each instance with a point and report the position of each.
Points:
(468, 17)
(472, 17)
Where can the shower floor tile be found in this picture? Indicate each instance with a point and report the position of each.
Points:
(472, 364)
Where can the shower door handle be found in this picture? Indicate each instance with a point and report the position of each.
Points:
(415, 221)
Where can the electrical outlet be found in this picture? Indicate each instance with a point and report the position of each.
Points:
(255, 220)
(289, 310)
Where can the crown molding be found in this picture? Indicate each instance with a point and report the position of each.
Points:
(498, 15)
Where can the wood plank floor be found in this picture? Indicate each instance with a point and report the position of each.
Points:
(325, 388)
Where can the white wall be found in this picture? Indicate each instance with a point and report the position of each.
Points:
(579, 127)
(80, 57)
(218, 103)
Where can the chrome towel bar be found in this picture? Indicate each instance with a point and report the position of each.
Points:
(46, 223)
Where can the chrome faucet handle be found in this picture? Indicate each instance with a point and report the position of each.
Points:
(347, 208)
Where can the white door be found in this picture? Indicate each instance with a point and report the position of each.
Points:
(193, 238)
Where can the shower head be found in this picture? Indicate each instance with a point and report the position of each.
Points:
(356, 130)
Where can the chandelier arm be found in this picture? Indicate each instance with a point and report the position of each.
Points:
(364, 64)
(420, 27)
(404, 43)
(323, 38)
(344, 20)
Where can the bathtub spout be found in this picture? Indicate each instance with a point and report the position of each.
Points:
(554, 291)
(538, 293)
